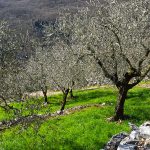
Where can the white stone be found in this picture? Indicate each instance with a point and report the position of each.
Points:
(103, 104)
(134, 135)
(144, 130)
(58, 112)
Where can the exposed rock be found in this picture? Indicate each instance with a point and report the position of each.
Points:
(147, 143)
(138, 139)
(145, 130)
(115, 141)
(103, 104)
(133, 126)
(128, 144)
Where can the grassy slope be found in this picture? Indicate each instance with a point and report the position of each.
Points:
(86, 129)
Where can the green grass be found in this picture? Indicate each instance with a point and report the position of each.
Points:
(87, 129)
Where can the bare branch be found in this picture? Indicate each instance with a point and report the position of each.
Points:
(147, 52)
(120, 46)
(140, 78)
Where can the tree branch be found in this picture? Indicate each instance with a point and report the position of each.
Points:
(147, 52)
(113, 78)
(6, 107)
(120, 46)
(115, 60)
(140, 78)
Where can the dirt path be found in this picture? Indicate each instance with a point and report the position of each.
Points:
(144, 85)
(39, 93)
(49, 92)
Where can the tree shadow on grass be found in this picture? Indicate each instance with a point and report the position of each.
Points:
(140, 93)
(139, 97)
(137, 105)
(139, 114)
(92, 94)
(71, 145)
(83, 96)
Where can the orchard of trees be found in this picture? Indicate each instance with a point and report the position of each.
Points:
(108, 39)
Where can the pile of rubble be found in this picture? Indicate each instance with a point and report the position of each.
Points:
(138, 139)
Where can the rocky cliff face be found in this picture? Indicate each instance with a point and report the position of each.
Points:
(138, 139)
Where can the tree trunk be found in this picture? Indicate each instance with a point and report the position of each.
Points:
(65, 94)
(44, 90)
(71, 94)
(119, 111)
(45, 97)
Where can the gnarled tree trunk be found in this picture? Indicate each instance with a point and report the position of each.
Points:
(45, 97)
(65, 94)
(44, 90)
(119, 111)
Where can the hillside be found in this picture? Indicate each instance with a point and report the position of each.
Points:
(32, 9)
(86, 128)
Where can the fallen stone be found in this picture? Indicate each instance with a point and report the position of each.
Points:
(138, 139)
(144, 130)
(115, 141)
(147, 144)
(134, 135)
(128, 144)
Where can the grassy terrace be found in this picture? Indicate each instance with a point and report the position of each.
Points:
(87, 129)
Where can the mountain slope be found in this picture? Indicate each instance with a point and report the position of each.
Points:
(28, 9)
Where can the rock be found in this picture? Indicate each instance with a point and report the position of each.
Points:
(133, 126)
(134, 135)
(138, 139)
(67, 112)
(103, 104)
(145, 130)
(147, 144)
(59, 112)
(53, 115)
(128, 144)
(115, 141)
(45, 103)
